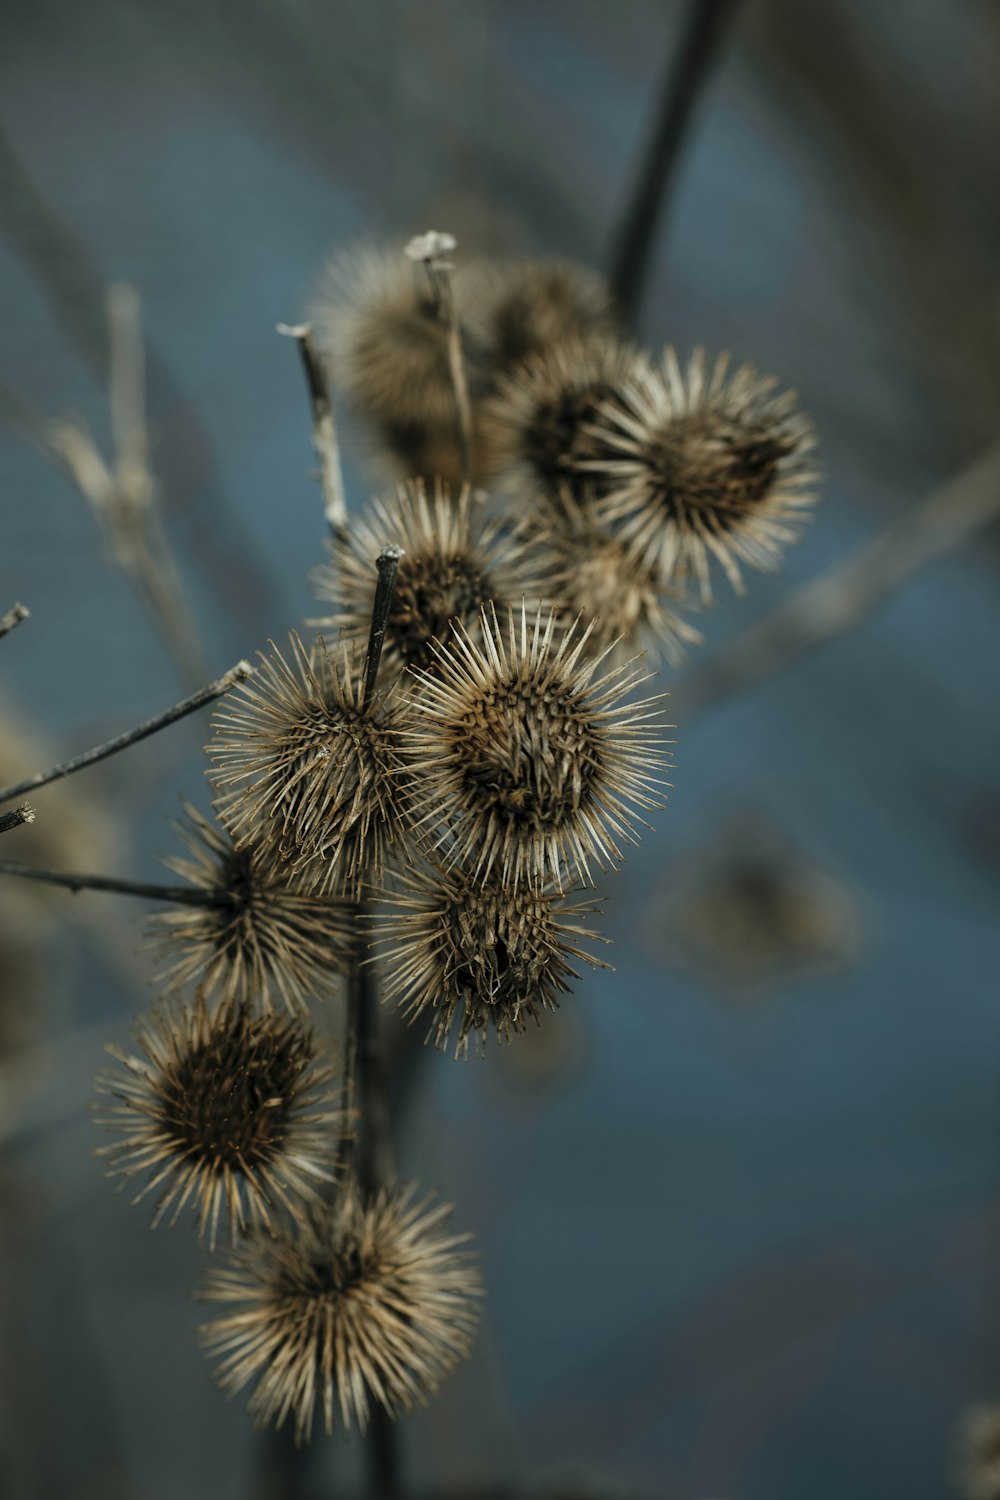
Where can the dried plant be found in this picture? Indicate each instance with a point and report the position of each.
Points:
(264, 940)
(528, 760)
(525, 308)
(365, 1299)
(225, 1110)
(979, 1471)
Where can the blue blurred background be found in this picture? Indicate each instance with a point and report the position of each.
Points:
(738, 1203)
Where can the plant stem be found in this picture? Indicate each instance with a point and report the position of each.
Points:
(324, 429)
(683, 81)
(14, 616)
(16, 817)
(239, 673)
(177, 895)
(388, 566)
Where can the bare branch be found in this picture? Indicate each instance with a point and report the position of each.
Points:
(12, 618)
(431, 250)
(18, 816)
(839, 600)
(324, 428)
(176, 895)
(388, 566)
(239, 673)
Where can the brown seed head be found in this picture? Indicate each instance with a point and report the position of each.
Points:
(479, 953)
(455, 562)
(527, 308)
(539, 429)
(362, 1301)
(526, 761)
(268, 943)
(703, 465)
(307, 766)
(225, 1110)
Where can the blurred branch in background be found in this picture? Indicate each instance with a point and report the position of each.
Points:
(74, 287)
(839, 600)
(682, 84)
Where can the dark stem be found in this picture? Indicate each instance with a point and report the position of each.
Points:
(18, 816)
(177, 895)
(683, 81)
(13, 617)
(388, 566)
(323, 426)
(239, 673)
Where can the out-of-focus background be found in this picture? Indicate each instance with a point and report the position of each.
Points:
(738, 1202)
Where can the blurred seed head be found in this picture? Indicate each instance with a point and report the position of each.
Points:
(361, 1301)
(527, 760)
(539, 429)
(455, 562)
(526, 308)
(308, 768)
(699, 464)
(269, 943)
(225, 1111)
(479, 955)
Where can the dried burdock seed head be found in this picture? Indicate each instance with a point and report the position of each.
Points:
(706, 465)
(266, 943)
(979, 1455)
(379, 321)
(527, 763)
(306, 764)
(455, 562)
(538, 430)
(526, 308)
(361, 1302)
(225, 1110)
(479, 954)
(587, 569)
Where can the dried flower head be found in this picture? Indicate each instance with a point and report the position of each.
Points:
(527, 308)
(979, 1473)
(308, 765)
(703, 465)
(454, 562)
(587, 569)
(539, 430)
(225, 1110)
(479, 953)
(361, 1301)
(526, 760)
(266, 941)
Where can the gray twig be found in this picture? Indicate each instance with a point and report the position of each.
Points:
(324, 428)
(177, 895)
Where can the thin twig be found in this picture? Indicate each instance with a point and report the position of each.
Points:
(683, 80)
(177, 895)
(387, 563)
(324, 428)
(431, 250)
(12, 618)
(216, 689)
(839, 600)
(17, 817)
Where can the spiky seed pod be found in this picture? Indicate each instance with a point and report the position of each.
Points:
(979, 1455)
(526, 308)
(479, 953)
(306, 765)
(225, 1110)
(361, 1301)
(526, 761)
(705, 464)
(587, 569)
(268, 942)
(454, 562)
(538, 430)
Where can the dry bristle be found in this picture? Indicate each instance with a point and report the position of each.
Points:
(362, 1301)
(696, 464)
(270, 943)
(584, 568)
(526, 761)
(454, 562)
(308, 766)
(538, 430)
(479, 953)
(979, 1475)
(225, 1110)
(526, 308)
